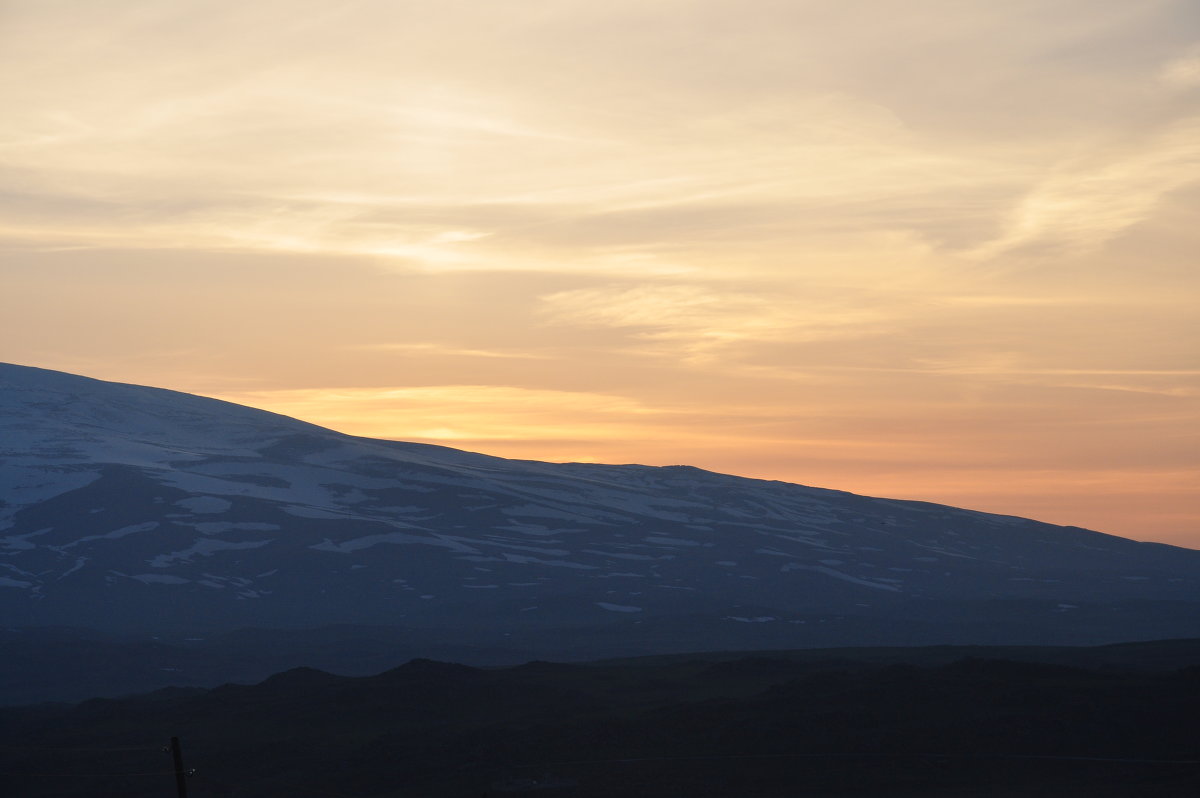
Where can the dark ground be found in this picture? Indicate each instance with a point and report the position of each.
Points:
(1117, 721)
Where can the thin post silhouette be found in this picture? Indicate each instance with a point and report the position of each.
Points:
(180, 774)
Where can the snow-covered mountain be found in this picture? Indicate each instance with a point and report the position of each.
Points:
(139, 510)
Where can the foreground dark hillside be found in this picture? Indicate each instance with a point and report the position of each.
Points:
(749, 726)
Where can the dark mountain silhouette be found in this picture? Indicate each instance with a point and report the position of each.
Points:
(914, 722)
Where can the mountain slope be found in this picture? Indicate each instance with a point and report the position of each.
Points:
(138, 510)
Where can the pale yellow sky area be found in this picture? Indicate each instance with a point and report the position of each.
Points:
(940, 249)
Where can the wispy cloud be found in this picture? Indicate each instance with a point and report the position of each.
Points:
(1027, 301)
(1182, 72)
(1086, 201)
(442, 350)
(699, 320)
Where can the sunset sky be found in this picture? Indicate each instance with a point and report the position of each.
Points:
(935, 249)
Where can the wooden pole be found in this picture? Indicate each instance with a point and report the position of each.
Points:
(180, 774)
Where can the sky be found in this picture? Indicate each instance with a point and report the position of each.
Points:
(941, 249)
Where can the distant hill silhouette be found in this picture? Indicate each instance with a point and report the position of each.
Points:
(800, 723)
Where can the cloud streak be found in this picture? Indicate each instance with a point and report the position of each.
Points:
(1085, 202)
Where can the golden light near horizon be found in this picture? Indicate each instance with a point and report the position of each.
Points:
(935, 250)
